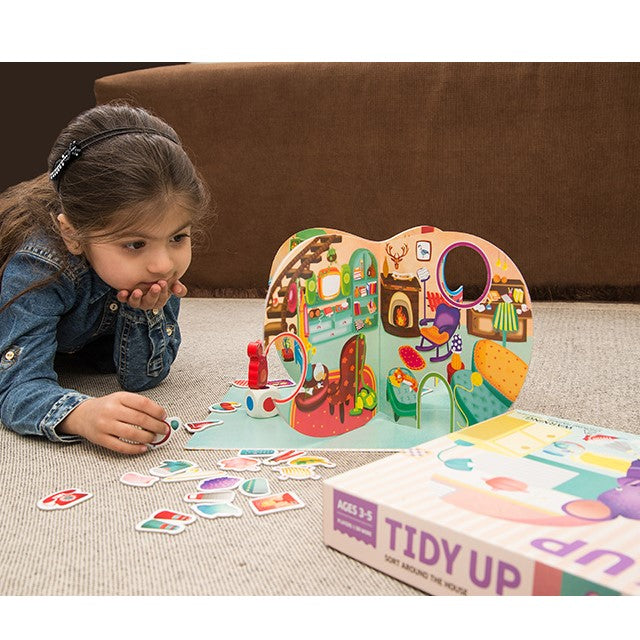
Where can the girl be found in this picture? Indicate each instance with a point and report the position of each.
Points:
(91, 256)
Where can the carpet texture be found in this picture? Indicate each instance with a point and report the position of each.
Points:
(583, 368)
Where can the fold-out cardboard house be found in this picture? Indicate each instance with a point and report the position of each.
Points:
(387, 329)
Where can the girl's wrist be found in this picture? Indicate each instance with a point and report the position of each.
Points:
(72, 424)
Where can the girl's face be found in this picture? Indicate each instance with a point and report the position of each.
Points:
(138, 258)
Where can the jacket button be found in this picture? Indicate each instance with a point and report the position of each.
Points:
(10, 355)
(113, 306)
(169, 331)
(155, 311)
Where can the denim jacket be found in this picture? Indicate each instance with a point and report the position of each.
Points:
(65, 316)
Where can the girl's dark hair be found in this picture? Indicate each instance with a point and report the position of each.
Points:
(125, 172)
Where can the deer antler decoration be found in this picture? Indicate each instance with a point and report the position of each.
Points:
(396, 257)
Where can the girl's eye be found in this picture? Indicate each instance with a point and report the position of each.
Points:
(180, 237)
(134, 246)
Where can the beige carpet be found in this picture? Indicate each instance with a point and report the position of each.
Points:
(583, 368)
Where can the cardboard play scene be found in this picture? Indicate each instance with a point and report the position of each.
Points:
(382, 351)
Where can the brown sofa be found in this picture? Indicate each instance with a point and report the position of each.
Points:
(541, 159)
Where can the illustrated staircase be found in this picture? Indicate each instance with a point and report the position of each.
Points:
(297, 268)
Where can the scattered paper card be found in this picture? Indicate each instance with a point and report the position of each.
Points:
(194, 427)
(239, 463)
(154, 525)
(134, 479)
(63, 499)
(224, 407)
(193, 473)
(175, 517)
(171, 467)
(258, 453)
(213, 511)
(174, 422)
(221, 483)
(311, 461)
(275, 503)
(162, 438)
(215, 497)
(284, 456)
(255, 487)
(296, 473)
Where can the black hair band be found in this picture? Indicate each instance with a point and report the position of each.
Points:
(76, 148)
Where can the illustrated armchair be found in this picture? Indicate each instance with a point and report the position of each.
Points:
(437, 332)
(345, 389)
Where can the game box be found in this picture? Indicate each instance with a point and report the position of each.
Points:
(519, 504)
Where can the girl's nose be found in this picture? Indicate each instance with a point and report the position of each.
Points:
(160, 264)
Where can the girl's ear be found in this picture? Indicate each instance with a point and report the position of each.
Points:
(69, 235)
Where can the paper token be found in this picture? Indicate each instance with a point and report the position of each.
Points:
(255, 487)
(258, 453)
(284, 456)
(161, 439)
(174, 517)
(194, 427)
(159, 526)
(311, 461)
(239, 463)
(171, 467)
(63, 499)
(297, 473)
(134, 479)
(275, 503)
(193, 473)
(225, 407)
(211, 497)
(174, 422)
(212, 511)
(221, 483)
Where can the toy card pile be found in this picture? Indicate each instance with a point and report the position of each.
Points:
(211, 491)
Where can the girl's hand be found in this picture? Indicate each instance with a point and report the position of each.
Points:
(157, 296)
(104, 421)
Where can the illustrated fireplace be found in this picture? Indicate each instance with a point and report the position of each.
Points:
(399, 300)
